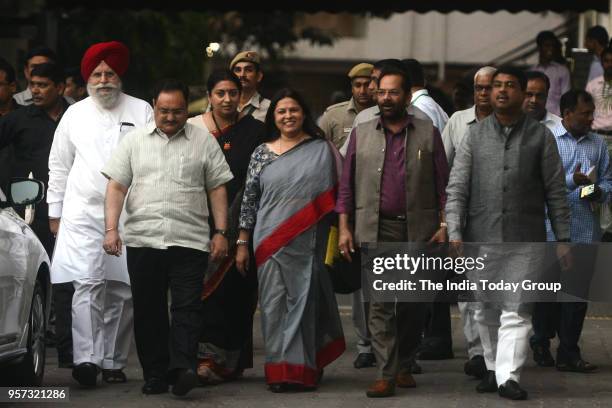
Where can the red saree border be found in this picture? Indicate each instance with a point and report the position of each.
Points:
(330, 352)
(285, 372)
(295, 225)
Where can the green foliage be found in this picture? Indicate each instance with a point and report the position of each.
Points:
(172, 44)
(274, 32)
(161, 44)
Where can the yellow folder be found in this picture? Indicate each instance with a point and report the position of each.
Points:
(332, 246)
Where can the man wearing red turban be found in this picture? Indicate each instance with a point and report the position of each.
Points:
(114, 53)
(84, 140)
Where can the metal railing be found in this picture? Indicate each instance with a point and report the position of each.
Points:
(530, 48)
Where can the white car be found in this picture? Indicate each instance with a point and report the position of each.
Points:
(25, 289)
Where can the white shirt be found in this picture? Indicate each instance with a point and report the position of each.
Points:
(426, 103)
(455, 131)
(553, 123)
(25, 97)
(83, 142)
(257, 106)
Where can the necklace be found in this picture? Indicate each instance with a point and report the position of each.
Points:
(226, 143)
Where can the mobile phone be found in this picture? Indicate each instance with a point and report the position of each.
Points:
(587, 191)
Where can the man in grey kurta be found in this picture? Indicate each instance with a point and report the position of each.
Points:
(505, 173)
(452, 136)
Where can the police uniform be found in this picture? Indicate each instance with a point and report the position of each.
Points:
(337, 121)
(257, 106)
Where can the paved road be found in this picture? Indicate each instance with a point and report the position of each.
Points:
(442, 384)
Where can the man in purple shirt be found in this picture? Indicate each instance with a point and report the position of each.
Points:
(550, 58)
(392, 194)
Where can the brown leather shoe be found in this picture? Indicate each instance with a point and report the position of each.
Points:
(381, 389)
(405, 379)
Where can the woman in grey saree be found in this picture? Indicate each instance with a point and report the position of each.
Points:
(288, 205)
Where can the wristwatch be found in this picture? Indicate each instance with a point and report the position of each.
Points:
(222, 232)
(243, 242)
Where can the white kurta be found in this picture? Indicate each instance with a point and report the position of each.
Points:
(426, 103)
(84, 141)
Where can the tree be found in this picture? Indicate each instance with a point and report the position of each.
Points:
(172, 44)
(273, 32)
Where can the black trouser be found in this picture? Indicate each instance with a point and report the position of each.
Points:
(62, 303)
(163, 348)
(566, 320)
(438, 336)
(40, 226)
(227, 319)
(61, 311)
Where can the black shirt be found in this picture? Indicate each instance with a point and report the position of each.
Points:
(237, 144)
(30, 132)
(6, 155)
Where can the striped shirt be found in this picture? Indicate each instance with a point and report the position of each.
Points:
(169, 177)
(588, 151)
(455, 131)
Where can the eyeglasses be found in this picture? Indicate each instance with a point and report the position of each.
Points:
(481, 88)
(381, 93)
(175, 112)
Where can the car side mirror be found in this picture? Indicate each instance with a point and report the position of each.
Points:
(22, 192)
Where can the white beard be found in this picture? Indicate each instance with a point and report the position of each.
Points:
(106, 100)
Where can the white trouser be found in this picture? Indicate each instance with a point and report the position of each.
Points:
(360, 322)
(102, 317)
(505, 339)
(470, 329)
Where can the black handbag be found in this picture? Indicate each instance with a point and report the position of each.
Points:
(345, 276)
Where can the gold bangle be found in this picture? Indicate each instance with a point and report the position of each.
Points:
(110, 229)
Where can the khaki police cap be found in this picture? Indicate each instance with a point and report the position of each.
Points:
(246, 56)
(361, 70)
